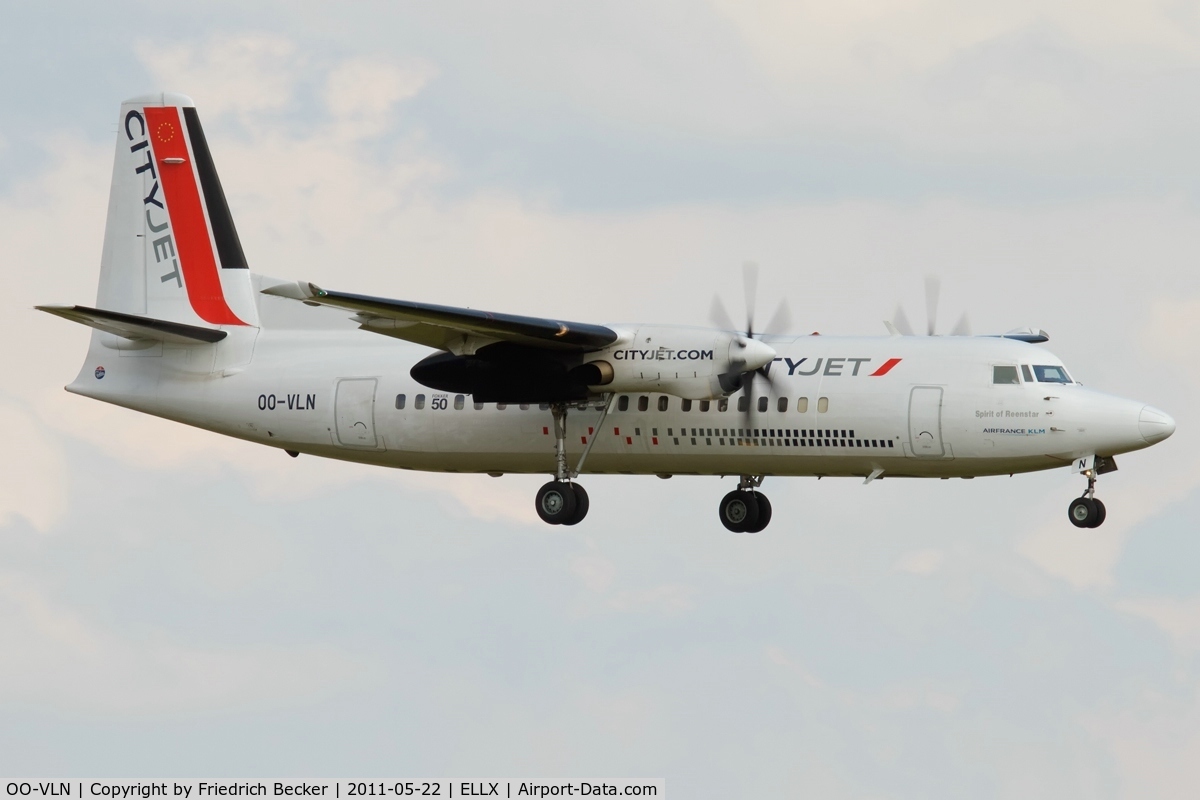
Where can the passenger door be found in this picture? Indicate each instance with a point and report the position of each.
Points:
(925, 422)
(354, 410)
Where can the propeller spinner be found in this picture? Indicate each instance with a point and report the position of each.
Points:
(749, 356)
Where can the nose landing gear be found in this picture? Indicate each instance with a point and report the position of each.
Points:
(745, 510)
(1086, 511)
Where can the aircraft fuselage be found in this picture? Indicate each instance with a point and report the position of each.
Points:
(848, 406)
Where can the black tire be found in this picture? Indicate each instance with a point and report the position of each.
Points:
(1082, 512)
(555, 502)
(764, 513)
(581, 505)
(739, 511)
(1100, 514)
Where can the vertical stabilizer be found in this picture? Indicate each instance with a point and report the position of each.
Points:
(171, 250)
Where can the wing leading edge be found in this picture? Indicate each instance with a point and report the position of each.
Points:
(448, 328)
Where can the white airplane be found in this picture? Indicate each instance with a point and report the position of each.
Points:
(184, 331)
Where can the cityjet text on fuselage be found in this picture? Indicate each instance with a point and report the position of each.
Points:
(662, 354)
(837, 367)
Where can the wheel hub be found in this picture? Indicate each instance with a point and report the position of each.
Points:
(552, 503)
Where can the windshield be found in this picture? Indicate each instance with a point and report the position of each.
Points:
(1047, 374)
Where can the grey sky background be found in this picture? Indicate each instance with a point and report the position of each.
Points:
(173, 604)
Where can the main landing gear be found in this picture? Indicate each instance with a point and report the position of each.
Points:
(561, 501)
(745, 510)
(1087, 511)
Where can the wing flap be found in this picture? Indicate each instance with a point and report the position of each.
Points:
(444, 327)
(132, 326)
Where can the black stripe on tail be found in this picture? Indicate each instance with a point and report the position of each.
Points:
(229, 246)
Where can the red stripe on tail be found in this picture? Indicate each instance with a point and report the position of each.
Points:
(886, 368)
(188, 224)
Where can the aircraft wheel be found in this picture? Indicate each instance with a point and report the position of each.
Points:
(1100, 514)
(556, 502)
(1083, 512)
(739, 511)
(764, 513)
(581, 505)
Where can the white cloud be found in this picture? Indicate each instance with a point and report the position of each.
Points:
(58, 659)
(1153, 745)
(921, 562)
(667, 598)
(1172, 333)
(244, 75)
(362, 92)
(33, 476)
(1178, 619)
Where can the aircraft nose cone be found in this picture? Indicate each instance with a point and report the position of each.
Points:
(1155, 425)
(753, 353)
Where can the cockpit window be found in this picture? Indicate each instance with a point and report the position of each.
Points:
(1005, 375)
(1046, 374)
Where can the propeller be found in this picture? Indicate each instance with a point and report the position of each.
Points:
(740, 378)
(933, 288)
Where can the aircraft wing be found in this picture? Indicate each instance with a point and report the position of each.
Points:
(448, 328)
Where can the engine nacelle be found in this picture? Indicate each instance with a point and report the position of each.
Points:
(693, 363)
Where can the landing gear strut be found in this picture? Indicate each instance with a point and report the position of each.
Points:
(562, 502)
(1086, 511)
(745, 510)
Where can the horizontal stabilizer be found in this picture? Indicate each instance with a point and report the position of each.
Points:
(442, 326)
(131, 326)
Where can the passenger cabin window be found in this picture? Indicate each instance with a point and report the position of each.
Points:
(685, 405)
(501, 406)
(419, 402)
(781, 406)
(1028, 375)
(762, 404)
(1005, 375)
(822, 405)
(478, 406)
(743, 404)
(722, 405)
(400, 401)
(459, 402)
(524, 406)
(663, 403)
(1049, 374)
(643, 403)
(623, 403)
(705, 405)
(802, 405)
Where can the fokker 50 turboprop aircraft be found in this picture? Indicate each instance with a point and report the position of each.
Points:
(183, 331)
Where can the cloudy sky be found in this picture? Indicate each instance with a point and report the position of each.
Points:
(174, 605)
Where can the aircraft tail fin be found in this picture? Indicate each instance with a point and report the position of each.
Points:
(171, 249)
